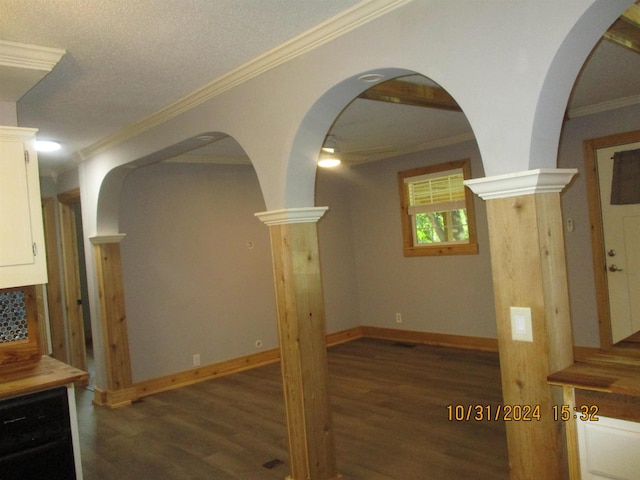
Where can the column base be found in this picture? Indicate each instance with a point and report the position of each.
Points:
(114, 398)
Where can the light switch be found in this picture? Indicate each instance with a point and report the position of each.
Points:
(521, 328)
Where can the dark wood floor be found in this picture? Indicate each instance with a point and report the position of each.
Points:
(389, 411)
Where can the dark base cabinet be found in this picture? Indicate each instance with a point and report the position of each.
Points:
(35, 437)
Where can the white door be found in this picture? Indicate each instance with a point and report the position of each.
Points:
(621, 225)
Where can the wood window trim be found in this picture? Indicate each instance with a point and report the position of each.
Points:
(411, 250)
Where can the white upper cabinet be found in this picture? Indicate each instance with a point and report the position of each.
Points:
(22, 248)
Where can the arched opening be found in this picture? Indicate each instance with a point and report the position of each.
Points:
(408, 310)
(376, 140)
(612, 101)
(196, 262)
(319, 134)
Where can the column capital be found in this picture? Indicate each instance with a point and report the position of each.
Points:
(291, 215)
(542, 180)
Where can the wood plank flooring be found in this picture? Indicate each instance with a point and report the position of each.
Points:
(389, 411)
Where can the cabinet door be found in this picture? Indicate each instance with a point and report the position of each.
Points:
(22, 249)
(16, 241)
(609, 448)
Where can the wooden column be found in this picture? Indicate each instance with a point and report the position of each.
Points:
(529, 270)
(301, 326)
(115, 339)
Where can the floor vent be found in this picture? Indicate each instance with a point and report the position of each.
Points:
(406, 344)
(276, 462)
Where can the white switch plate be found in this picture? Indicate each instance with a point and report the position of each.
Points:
(521, 329)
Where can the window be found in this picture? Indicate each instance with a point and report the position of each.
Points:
(437, 210)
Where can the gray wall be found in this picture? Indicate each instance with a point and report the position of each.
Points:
(442, 294)
(192, 285)
(337, 260)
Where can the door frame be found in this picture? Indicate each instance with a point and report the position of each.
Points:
(597, 231)
(77, 353)
(54, 295)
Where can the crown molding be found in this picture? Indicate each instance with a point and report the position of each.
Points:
(542, 180)
(358, 159)
(17, 134)
(34, 57)
(325, 32)
(291, 215)
(604, 106)
(210, 159)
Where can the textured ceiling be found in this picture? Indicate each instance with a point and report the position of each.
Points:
(127, 59)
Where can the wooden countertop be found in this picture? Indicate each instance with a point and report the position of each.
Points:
(41, 375)
(613, 371)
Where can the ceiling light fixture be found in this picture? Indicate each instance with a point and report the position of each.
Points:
(329, 162)
(329, 145)
(328, 155)
(47, 146)
(207, 138)
(371, 77)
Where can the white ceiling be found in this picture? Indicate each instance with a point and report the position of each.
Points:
(127, 59)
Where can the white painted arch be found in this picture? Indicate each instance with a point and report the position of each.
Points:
(512, 80)
(510, 65)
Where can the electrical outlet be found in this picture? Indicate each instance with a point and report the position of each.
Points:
(258, 343)
(196, 360)
(398, 318)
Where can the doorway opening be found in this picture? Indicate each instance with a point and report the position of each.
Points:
(78, 319)
(615, 230)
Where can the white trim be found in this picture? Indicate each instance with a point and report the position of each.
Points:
(445, 142)
(593, 435)
(604, 106)
(342, 23)
(209, 159)
(17, 134)
(542, 180)
(363, 156)
(291, 215)
(75, 433)
(33, 57)
(102, 239)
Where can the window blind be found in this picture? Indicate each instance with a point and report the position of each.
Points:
(436, 192)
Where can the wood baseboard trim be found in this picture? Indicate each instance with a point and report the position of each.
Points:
(436, 339)
(220, 369)
(345, 336)
(119, 398)
(228, 367)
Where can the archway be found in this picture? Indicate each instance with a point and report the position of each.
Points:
(287, 164)
(367, 278)
(117, 386)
